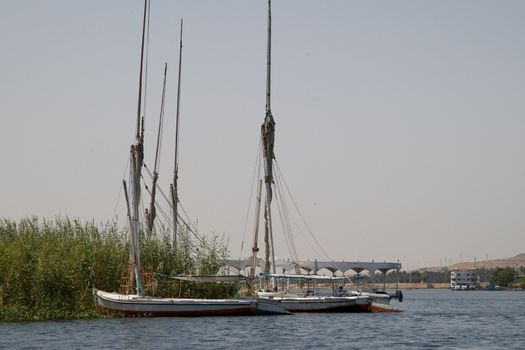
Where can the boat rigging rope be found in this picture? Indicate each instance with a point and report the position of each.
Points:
(285, 220)
(296, 225)
(164, 215)
(156, 164)
(299, 212)
(279, 180)
(126, 164)
(169, 222)
(285, 228)
(303, 219)
(167, 219)
(256, 175)
(186, 223)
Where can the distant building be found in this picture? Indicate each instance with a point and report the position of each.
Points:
(464, 279)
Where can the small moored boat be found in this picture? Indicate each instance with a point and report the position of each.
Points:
(134, 305)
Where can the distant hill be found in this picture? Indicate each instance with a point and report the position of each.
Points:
(515, 261)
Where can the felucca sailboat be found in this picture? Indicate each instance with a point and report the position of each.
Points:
(138, 303)
(307, 302)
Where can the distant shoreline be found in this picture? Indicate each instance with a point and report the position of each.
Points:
(404, 285)
(426, 286)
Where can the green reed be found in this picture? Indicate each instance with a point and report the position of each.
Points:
(48, 268)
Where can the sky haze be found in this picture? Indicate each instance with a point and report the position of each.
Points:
(399, 124)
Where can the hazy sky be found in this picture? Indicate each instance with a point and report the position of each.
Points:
(400, 124)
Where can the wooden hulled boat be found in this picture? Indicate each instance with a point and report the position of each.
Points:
(133, 302)
(134, 305)
(292, 302)
(296, 303)
(312, 301)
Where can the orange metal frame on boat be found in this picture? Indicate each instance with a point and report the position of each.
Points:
(126, 282)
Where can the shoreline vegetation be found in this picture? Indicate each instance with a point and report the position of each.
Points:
(49, 267)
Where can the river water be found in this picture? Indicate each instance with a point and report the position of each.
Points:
(430, 319)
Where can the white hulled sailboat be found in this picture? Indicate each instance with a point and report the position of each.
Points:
(138, 303)
(307, 302)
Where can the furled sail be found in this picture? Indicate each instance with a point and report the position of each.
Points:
(205, 278)
(268, 138)
(306, 277)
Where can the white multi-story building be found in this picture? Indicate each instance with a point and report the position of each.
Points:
(464, 279)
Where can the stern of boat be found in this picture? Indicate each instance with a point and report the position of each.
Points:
(270, 307)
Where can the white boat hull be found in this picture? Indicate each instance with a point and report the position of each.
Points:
(133, 305)
(294, 303)
(380, 302)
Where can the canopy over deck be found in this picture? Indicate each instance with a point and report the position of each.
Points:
(314, 266)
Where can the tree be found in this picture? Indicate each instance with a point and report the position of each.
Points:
(503, 277)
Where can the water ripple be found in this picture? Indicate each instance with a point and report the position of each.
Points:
(432, 319)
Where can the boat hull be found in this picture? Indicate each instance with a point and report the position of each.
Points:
(380, 302)
(381, 307)
(323, 304)
(132, 305)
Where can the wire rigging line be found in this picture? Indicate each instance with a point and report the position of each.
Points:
(157, 205)
(156, 164)
(192, 230)
(161, 211)
(298, 227)
(300, 214)
(126, 164)
(256, 174)
(169, 222)
(286, 232)
(281, 177)
(285, 218)
(188, 223)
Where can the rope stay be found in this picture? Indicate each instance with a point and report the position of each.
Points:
(312, 235)
(125, 170)
(185, 220)
(300, 213)
(285, 221)
(290, 217)
(256, 175)
(151, 213)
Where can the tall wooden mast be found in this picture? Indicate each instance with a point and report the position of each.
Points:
(255, 247)
(152, 213)
(136, 160)
(268, 136)
(173, 187)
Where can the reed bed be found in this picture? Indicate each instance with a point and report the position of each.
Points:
(49, 267)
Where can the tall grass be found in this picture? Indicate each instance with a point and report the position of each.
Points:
(48, 268)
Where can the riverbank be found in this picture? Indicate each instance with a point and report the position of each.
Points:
(392, 286)
(416, 285)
